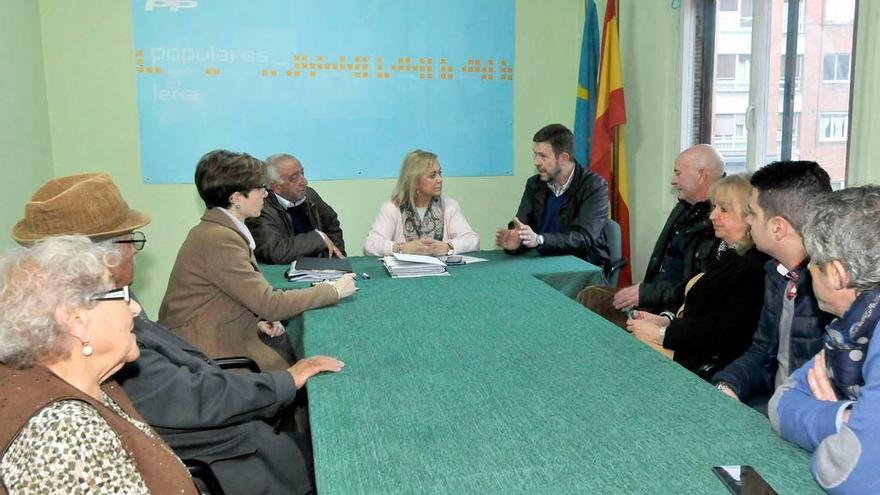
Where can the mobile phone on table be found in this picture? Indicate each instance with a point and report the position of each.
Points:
(454, 260)
(743, 480)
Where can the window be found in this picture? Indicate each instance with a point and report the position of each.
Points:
(726, 67)
(839, 11)
(745, 13)
(728, 5)
(833, 126)
(835, 67)
(741, 106)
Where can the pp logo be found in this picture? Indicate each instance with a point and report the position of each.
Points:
(171, 5)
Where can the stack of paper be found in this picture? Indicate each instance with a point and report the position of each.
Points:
(317, 269)
(401, 265)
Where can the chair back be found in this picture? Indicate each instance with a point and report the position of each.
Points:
(615, 248)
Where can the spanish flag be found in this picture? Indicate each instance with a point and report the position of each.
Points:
(608, 153)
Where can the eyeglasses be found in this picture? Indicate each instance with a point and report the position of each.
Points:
(138, 239)
(119, 294)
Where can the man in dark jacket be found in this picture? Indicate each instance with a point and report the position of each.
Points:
(295, 221)
(564, 206)
(791, 325)
(687, 240)
(683, 249)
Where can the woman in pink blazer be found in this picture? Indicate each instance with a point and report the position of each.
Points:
(417, 219)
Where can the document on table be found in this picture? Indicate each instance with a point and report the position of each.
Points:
(401, 265)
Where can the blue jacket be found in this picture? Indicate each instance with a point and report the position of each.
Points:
(846, 455)
(751, 375)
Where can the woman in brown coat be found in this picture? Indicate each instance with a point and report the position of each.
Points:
(217, 298)
(64, 331)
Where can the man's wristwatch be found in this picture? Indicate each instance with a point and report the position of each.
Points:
(540, 239)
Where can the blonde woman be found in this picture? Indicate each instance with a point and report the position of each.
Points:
(722, 305)
(417, 219)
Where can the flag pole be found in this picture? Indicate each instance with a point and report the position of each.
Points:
(615, 149)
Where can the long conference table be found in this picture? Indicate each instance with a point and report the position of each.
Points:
(493, 380)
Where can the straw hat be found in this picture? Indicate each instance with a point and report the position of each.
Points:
(88, 204)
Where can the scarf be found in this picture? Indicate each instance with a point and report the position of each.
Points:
(846, 343)
(430, 225)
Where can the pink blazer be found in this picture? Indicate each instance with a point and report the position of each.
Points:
(387, 230)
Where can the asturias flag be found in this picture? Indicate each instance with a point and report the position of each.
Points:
(608, 152)
(585, 108)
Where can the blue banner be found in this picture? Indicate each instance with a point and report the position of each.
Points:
(348, 86)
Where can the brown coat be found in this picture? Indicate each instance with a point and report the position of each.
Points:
(28, 391)
(217, 294)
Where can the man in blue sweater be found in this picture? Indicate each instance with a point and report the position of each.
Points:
(831, 405)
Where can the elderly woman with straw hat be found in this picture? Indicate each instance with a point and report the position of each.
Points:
(831, 405)
(65, 329)
(417, 219)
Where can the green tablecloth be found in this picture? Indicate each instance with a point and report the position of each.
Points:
(566, 274)
(499, 384)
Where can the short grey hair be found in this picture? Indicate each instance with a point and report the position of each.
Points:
(272, 166)
(62, 272)
(845, 226)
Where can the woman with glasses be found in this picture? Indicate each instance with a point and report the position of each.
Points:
(217, 297)
(417, 219)
(64, 331)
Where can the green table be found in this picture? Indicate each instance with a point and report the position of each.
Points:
(500, 384)
(567, 274)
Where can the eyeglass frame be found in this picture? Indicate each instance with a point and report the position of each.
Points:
(118, 294)
(138, 240)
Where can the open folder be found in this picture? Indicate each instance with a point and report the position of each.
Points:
(309, 269)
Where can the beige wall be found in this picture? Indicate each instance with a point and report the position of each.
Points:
(92, 117)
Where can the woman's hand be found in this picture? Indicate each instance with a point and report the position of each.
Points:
(271, 328)
(345, 286)
(309, 367)
(418, 246)
(644, 330)
(660, 321)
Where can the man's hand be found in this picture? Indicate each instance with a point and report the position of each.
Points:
(345, 286)
(626, 297)
(309, 367)
(332, 250)
(527, 236)
(271, 328)
(730, 393)
(817, 378)
(507, 239)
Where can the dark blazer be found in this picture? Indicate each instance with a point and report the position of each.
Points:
(582, 216)
(216, 416)
(700, 245)
(752, 374)
(276, 242)
(721, 312)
